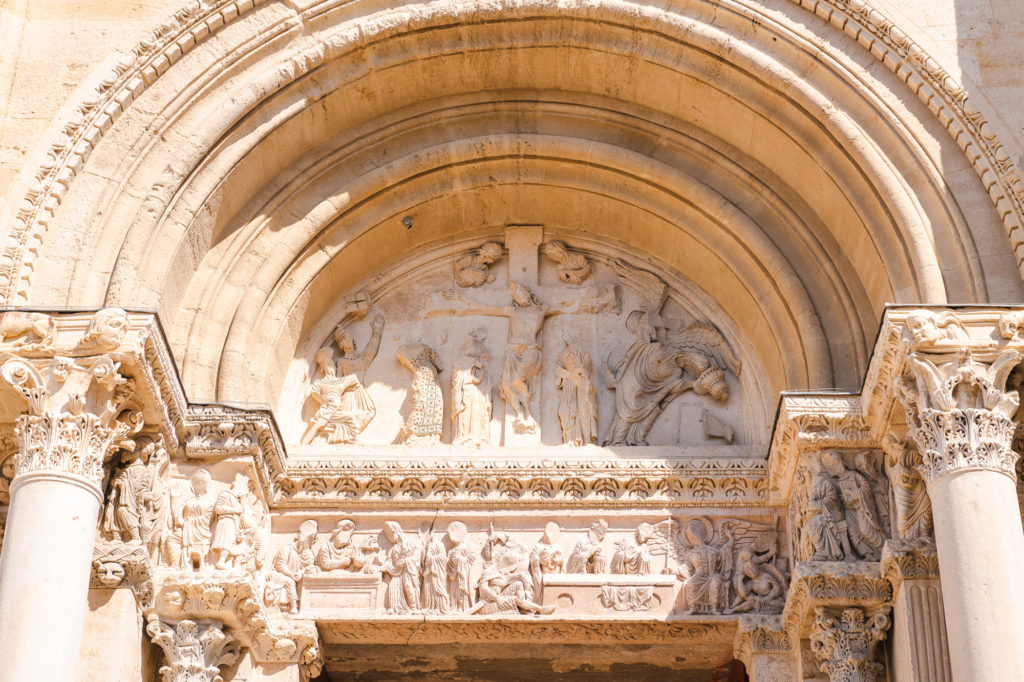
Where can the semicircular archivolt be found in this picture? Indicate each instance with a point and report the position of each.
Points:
(843, 203)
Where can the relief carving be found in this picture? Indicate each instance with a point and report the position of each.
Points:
(190, 540)
(588, 555)
(344, 406)
(291, 563)
(460, 563)
(655, 371)
(473, 269)
(913, 508)
(34, 331)
(847, 644)
(426, 413)
(546, 557)
(577, 401)
(573, 268)
(471, 393)
(840, 509)
(401, 571)
(341, 555)
(194, 650)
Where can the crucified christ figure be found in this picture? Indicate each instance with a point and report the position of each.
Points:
(526, 317)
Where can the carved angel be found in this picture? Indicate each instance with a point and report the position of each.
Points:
(706, 566)
(473, 269)
(653, 292)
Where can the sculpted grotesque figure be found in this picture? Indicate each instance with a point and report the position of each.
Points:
(473, 269)
(706, 567)
(35, 329)
(291, 563)
(588, 556)
(401, 571)
(577, 401)
(345, 407)
(654, 372)
(471, 394)
(426, 413)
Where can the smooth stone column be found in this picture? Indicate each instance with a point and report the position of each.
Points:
(44, 575)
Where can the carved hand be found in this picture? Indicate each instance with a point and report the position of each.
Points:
(377, 324)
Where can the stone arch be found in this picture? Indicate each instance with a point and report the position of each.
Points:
(224, 194)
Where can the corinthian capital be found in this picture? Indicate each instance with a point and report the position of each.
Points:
(954, 390)
(194, 650)
(846, 643)
(79, 404)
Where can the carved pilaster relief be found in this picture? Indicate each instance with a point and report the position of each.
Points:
(912, 506)
(195, 651)
(846, 642)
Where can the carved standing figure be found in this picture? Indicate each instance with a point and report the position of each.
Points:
(653, 373)
(460, 563)
(706, 567)
(862, 519)
(345, 407)
(546, 557)
(633, 555)
(471, 394)
(193, 520)
(913, 507)
(291, 563)
(426, 415)
(577, 402)
(122, 516)
(588, 556)
(824, 535)
(402, 571)
(227, 527)
(435, 577)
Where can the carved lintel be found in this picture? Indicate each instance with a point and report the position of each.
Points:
(910, 559)
(845, 641)
(194, 650)
(760, 634)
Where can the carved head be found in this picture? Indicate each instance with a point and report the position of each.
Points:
(833, 464)
(346, 344)
(522, 296)
(393, 532)
(644, 533)
(598, 529)
(457, 532)
(201, 482)
(639, 322)
(489, 252)
(551, 532)
(342, 533)
(307, 533)
(923, 328)
(107, 328)
(699, 531)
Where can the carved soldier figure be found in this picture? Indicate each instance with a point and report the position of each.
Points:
(706, 567)
(471, 394)
(291, 563)
(633, 555)
(577, 402)
(460, 562)
(122, 516)
(426, 415)
(506, 593)
(862, 520)
(546, 557)
(588, 556)
(402, 571)
(345, 407)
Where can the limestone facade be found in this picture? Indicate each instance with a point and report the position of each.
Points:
(507, 340)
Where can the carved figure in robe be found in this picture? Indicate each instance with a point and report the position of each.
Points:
(546, 557)
(758, 584)
(633, 555)
(653, 373)
(292, 563)
(506, 593)
(706, 566)
(460, 563)
(122, 516)
(225, 544)
(588, 556)
(913, 506)
(824, 535)
(473, 269)
(341, 555)
(155, 513)
(345, 407)
(523, 353)
(573, 268)
(435, 577)
(426, 415)
(192, 519)
(577, 401)
(862, 519)
(401, 570)
(471, 394)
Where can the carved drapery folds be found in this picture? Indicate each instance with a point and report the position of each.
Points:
(194, 650)
(846, 642)
(954, 391)
(80, 406)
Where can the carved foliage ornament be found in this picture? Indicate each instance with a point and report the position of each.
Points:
(846, 643)
(194, 650)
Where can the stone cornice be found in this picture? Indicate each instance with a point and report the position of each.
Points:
(760, 634)
(909, 559)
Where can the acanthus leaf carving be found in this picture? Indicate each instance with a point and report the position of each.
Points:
(194, 650)
(846, 643)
